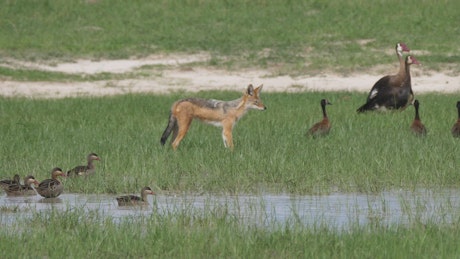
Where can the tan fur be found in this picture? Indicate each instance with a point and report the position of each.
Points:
(223, 114)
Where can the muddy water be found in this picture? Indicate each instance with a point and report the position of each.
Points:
(336, 210)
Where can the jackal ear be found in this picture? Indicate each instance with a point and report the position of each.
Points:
(258, 89)
(250, 90)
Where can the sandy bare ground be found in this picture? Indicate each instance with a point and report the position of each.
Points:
(173, 77)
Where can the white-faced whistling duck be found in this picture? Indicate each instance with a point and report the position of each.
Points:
(417, 126)
(324, 126)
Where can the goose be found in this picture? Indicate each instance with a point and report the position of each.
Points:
(390, 80)
(129, 200)
(391, 96)
(456, 128)
(88, 169)
(51, 188)
(417, 126)
(324, 126)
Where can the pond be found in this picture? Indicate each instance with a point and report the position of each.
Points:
(334, 210)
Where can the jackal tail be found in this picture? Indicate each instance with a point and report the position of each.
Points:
(172, 124)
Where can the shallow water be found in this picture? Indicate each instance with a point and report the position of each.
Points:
(335, 210)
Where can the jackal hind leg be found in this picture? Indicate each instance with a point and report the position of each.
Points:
(180, 131)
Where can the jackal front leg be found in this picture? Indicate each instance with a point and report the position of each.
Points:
(227, 136)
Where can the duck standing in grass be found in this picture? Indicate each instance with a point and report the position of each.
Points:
(23, 190)
(51, 188)
(324, 126)
(85, 170)
(417, 126)
(130, 200)
(5, 183)
(456, 128)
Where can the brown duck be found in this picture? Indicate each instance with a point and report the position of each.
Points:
(417, 126)
(130, 200)
(391, 91)
(51, 188)
(23, 190)
(5, 183)
(84, 170)
(324, 126)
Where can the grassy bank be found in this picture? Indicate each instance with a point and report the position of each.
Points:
(364, 152)
(79, 234)
(288, 36)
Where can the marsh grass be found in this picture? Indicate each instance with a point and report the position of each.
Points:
(364, 152)
(80, 233)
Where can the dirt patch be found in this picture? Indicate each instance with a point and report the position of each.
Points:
(197, 78)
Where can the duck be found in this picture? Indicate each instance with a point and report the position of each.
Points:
(417, 126)
(129, 200)
(85, 170)
(386, 96)
(5, 183)
(456, 128)
(324, 126)
(51, 188)
(23, 190)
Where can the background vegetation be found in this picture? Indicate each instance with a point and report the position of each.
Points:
(306, 36)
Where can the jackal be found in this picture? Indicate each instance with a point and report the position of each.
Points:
(223, 114)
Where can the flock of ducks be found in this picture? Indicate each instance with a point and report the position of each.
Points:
(52, 188)
(391, 92)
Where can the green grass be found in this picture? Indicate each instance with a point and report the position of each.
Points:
(364, 152)
(27, 75)
(296, 37)
(215, 234)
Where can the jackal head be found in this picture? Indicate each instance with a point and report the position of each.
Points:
(251, 98)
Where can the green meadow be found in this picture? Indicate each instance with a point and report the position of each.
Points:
(295, 37)
(364, 153)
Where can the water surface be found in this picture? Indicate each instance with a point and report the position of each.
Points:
(335, 210)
